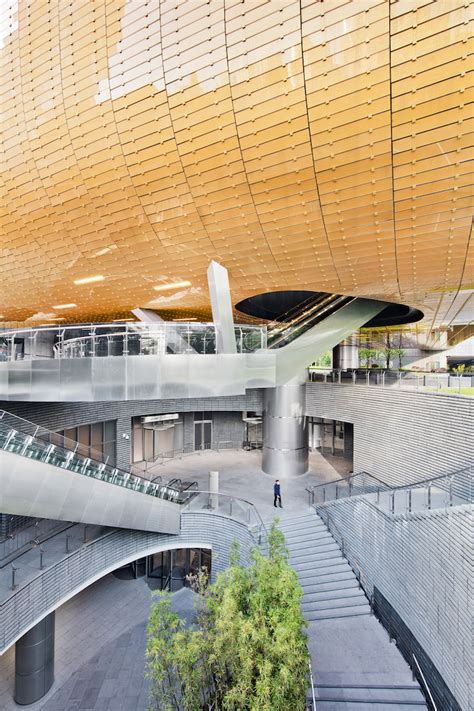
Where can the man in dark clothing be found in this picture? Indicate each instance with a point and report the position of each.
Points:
(276, 493)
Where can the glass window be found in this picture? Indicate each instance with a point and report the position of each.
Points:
(96, 435)
(109, 430)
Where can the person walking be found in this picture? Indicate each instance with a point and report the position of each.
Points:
(277, 493)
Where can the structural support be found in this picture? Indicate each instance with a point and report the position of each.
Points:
(346, 354)
(34, 662)
(221, 304)
(285, 436)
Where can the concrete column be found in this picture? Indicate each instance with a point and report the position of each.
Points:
(34, 662)
(285, 436)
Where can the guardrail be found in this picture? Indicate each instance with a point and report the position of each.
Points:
(433, 382)
(122, 339)
(232, 506)
(442, 491)
(31, 447)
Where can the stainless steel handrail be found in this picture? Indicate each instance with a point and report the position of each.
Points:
(230, 497)
(425, 684)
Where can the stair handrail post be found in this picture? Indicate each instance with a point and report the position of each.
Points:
(429, 497)
(350, 487)
(409, 500)
(392, 502)
(451, 490)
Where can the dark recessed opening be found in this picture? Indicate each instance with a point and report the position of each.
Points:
(274, 305)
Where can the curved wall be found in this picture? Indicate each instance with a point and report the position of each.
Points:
(400, 436)
(26, 606)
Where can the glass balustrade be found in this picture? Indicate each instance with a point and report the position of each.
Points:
(134, 339)
(26, 445)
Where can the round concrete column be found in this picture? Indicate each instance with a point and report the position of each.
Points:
(285, 437)
(34, 662)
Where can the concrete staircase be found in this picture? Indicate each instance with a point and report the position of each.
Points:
(355, 666)
(329, 585)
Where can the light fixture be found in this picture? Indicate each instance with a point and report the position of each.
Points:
(64, 306)
(190, 318)
(176, 285)
(89, 280)
(121, 320)
(58, 318)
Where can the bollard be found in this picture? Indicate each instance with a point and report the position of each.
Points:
(67, 543)
(41, 550)
(85, 533)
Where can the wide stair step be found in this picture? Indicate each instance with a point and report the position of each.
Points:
(336, 613)
(361, 694)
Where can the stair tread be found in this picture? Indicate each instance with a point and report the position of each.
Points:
(335, 603)
(330, 613)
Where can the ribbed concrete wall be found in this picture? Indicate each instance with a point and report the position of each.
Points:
(56, 416)
(400, 436)
(423, 564)
(53, 586)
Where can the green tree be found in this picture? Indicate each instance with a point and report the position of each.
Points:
(368, 355)
(247, 651)
(459, 369)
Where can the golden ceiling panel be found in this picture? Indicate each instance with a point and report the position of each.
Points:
(303, 144)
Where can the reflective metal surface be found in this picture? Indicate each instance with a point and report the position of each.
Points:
(285, 436)
(100, 365)
(218, 280)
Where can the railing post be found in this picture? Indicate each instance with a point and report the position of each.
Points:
(337, 491)
(399, 379)
(429, 497)
(41, 550)
(324, 494)
(451, 490)
(14, 584)
(67, 543)
(354, 377)
(350, 487)
(378, 495)
(339, 376)
(409, 500)
(367, 376)
(392, 502)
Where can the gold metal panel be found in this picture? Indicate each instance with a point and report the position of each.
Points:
(141, 140)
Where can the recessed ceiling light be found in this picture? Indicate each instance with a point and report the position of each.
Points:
(89, 280)
(176, 285)
(64, 306)
(190, 318)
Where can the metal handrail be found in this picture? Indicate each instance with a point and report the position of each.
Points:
(425, 684)
(388, 487)
(312, 684)
(344, 480)
(231, 497)
(139, 484)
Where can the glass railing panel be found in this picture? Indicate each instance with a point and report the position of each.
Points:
(102, 340)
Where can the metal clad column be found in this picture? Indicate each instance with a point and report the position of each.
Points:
(285, 436)
(34, 662)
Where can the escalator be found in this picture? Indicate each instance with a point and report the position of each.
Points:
(46, 476)
(292, 324)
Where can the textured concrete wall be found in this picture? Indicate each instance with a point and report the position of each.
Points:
(422, 564)
(400, 436)
(56, 416)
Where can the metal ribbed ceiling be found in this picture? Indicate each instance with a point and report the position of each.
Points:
(304, 145)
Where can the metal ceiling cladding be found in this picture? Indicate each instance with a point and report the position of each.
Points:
(304, 145)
